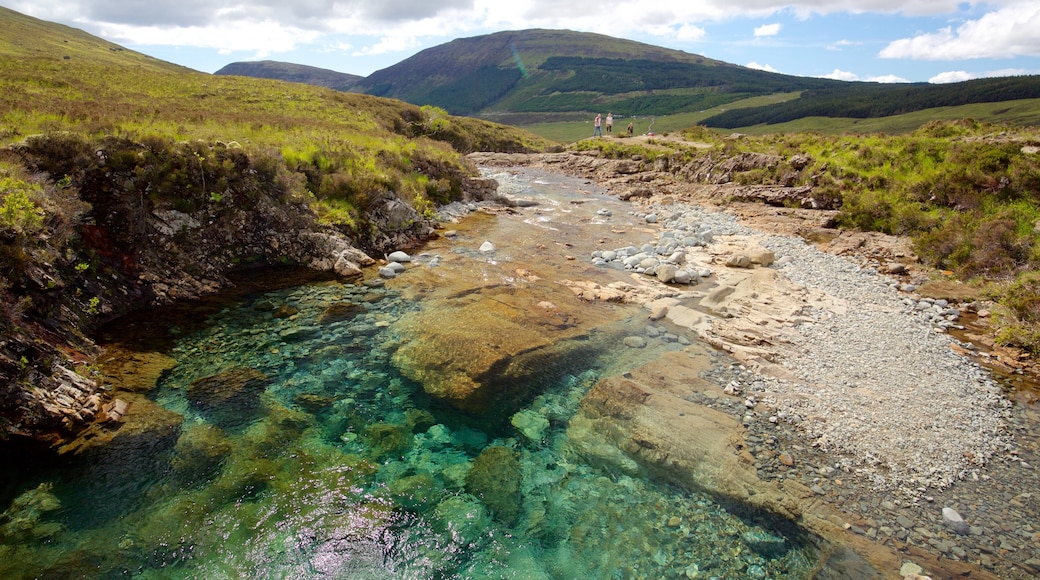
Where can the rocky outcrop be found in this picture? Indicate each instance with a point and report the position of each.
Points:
(124, 246)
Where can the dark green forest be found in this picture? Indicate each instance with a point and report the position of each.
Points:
(870, 100)
(614, 76)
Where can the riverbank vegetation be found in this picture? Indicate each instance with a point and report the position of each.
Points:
(967, 194)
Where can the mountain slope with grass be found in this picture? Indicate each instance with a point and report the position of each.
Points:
(295, 73)
(554, 81)
(559, 72)
(127, 182)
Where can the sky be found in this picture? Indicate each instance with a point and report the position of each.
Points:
(867, 40)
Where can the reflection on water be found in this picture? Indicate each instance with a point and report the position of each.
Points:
(304, 453)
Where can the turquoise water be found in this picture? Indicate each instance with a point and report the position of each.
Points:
(326, 462)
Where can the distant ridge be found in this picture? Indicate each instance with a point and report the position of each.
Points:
(527, 77)
(297, 73)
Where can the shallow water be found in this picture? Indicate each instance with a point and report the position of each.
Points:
(331, 463)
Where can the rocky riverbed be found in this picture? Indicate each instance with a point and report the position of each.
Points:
(844, 373)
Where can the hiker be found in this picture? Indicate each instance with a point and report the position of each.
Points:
(630, 128)
(597, 129)
(610, 123)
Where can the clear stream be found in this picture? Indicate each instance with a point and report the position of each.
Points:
(334, 465)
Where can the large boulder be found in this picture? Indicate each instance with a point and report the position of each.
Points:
(491, 351)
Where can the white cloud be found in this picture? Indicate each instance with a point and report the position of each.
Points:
(957, 76)
(840, 75)
(954, 76)
(264, 38)
(764, 67)
(388, 44)
(887, 79)
(767, 30)
(842, 44)
(1009, 31)
(690, 33)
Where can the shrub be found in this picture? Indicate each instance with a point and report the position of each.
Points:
(19, 214)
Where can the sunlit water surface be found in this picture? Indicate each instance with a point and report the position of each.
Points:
(340, 467)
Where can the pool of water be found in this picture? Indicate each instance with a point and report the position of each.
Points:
(301, 451)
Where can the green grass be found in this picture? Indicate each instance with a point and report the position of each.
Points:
(1023, 113)
(569, 131)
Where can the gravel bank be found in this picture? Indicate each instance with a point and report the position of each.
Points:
(877, 382)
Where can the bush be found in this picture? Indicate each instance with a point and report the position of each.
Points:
(18, 213)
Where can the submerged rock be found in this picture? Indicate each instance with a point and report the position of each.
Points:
(199, 453)
(491, 349)
(495, 479)
(229, 398)
(339, 311)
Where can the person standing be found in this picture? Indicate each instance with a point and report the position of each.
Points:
(630, 127)
(597, 126)
(610, 123)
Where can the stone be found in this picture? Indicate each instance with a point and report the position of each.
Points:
(492, 351)
(787, 459)
(462, 518)
(909, 569)
(285, 311)
(399, 256)
(634, 342)
(387, 439)
(230, 398)
(658, 311)
(487, 247)
(530, 424)
(739, 261)
(339, 311)
(199, 454)
(666, 273)
(954, 521)
(495, 480)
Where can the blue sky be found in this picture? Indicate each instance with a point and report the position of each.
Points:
(875, 40)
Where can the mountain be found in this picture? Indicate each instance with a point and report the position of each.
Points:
(296, 73)
(37, 41)
(535, 76)
(556, 72)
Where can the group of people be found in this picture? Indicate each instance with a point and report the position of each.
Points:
(597, 125)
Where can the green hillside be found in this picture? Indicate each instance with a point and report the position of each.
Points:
(551, 72)
(872, 101)
(296, 73)
(553, 82)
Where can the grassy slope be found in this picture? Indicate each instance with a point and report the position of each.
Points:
(57, 78)
(570, 131)
(1021, 113)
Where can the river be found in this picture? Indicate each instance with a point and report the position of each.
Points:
(293, 445)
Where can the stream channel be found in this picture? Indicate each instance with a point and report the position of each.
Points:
(292, 444)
